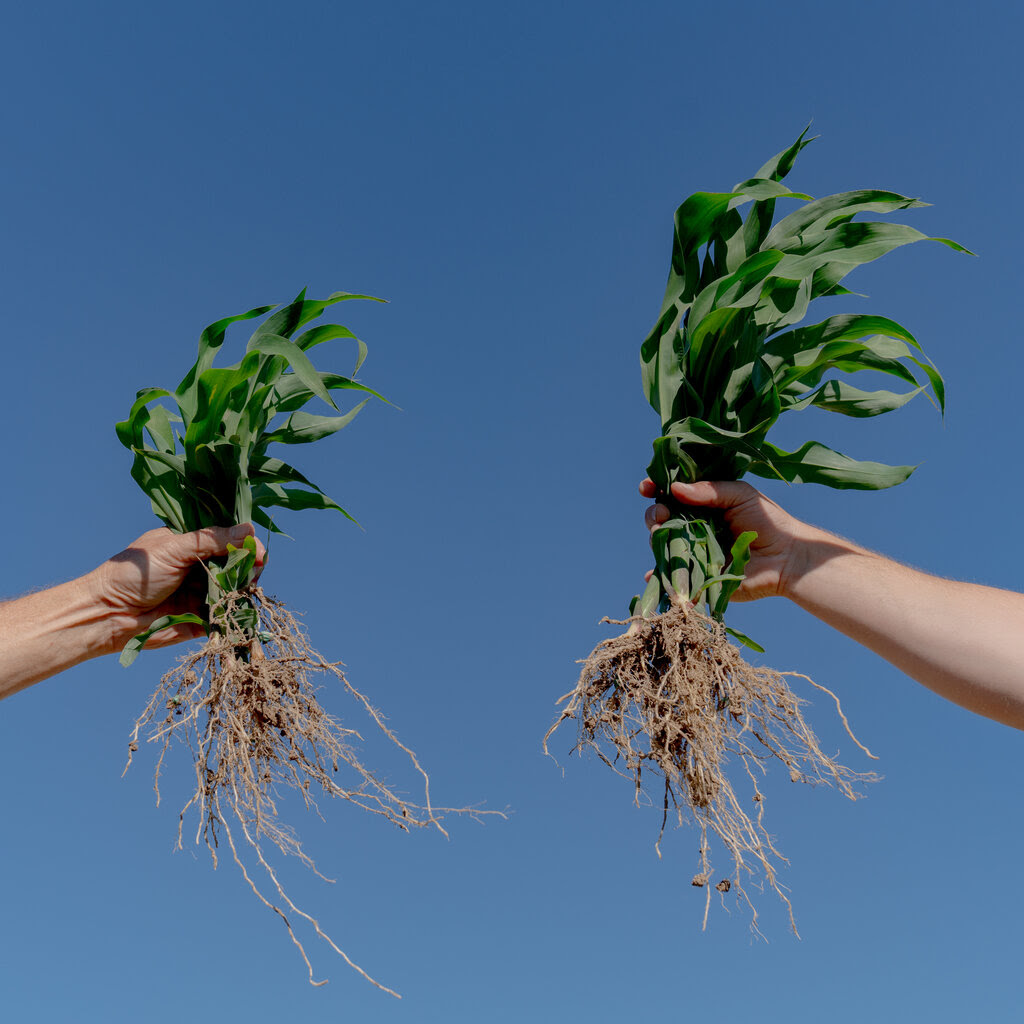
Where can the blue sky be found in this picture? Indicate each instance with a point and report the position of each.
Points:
(506, 177)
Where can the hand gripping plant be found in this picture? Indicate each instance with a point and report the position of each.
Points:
(672, 698)
(245, 702)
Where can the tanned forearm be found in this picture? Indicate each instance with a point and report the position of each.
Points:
(46, 632)
(156, 576)
(963, 641)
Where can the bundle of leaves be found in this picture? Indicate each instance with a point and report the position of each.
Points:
(245, 702)
(673, 701)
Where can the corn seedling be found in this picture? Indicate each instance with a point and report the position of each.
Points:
(673, 699)
(245, 702)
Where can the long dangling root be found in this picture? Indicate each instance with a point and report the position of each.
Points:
(673, 699)
(248, 712)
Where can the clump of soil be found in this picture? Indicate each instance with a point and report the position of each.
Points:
(247, 710)
(673, 700)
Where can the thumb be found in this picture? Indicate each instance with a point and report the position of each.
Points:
(720, 494)
(186, 548)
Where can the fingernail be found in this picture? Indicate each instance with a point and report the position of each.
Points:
(237, 534)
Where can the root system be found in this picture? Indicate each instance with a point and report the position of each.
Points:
(672, 704)
(247, 710)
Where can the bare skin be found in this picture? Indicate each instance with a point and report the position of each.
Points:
(964, 641)
(44, 633)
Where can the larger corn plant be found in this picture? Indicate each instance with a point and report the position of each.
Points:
(202, 453)
(671, 702)
(725, 360)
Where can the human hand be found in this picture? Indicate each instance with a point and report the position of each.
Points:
(772, 554)
(159, 574)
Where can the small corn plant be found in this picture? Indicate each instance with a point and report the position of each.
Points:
(672, 698)
(245, 701)
(214, 468)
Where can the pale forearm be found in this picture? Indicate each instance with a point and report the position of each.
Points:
(965, 642)
(49, 631)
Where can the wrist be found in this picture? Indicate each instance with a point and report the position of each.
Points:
(808, 550)
(109, 624)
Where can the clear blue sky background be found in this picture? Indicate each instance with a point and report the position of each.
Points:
(506, 176)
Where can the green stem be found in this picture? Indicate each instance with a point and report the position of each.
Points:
(690, 549)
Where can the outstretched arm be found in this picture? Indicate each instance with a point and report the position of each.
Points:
(46, 632)
(964, 641)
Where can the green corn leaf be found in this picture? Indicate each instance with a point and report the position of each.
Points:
(663, 358)
(288, 318)
(783, 301)
(330, 332)
(212, 393)
(160, 428)
(164, 486)
(820, 214)
(271, 495)
(744, 639)
(176, 463)
(239, 566)
(711, 593)
(815, 463)
(292, 393)
(245, 426)
(214, 471)
(724, 577)
(266, 470)
(839, 396)
(260, 518)
(300, 312)
(698, 219)
(782, 163)
(878, 353)
(345, 296)
(694, 432)
(210, 342)
(853, 243)
(739, 556)
(303, 427)
(275, 345)
(759, 220)
(671, 464)
(737, 290)
(838, 328)
(727, 245)
(129, 431)
(131, 649)
(803, 345)
(650, 598)
(661, 537)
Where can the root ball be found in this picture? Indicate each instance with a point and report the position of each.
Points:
(674, 701)
(247, 710)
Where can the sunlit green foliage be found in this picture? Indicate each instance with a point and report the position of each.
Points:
(201, 452)
(725, 359)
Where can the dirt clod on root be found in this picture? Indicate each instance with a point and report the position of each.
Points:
(673, 700)
(248, 712)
